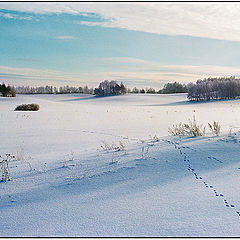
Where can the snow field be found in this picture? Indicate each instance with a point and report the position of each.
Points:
(68, 185)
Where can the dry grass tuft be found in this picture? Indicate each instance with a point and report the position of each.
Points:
(4, 163)
(191, 129)
(215, 128)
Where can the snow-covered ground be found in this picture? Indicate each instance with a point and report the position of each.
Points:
(66, 184)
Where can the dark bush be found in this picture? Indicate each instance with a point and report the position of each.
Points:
(7, 91)
(27, 107)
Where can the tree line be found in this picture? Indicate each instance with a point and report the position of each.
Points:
(214, 88)
(53, 90)
(105, 88)
(206, 89)
(175, 87)
(113, 88)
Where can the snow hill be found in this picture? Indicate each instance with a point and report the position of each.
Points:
(91, 166)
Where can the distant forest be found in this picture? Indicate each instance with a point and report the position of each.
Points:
(214, 88)
(168, 88)
(206, 89)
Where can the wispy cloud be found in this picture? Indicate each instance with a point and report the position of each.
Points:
(140, 65)
(15, 16)
(91, 24)
(36, 77)
(142, 74)
(66, 37)
(208, 20)
(121, 60)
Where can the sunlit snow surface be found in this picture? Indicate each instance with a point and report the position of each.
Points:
(68, 185)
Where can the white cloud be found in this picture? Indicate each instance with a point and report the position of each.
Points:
(91, 24)
(65, 37)
(210, 20)
(7, 15)
(15, 16)
(139, 65)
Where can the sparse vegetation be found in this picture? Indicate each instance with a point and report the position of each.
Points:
(177, 129)
(215, 128)
(69, 161)
(4, 163)
(144, 151)
(154, 139)
(113, 147)
(20, 154)
(27, 107)
(122, 146)
(113, 160)
(191, 129)
(115, 150)
(230, 132)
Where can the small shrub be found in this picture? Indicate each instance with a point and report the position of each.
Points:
(27, 107)
(215, 128)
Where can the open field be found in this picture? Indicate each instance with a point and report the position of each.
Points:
(69, 180)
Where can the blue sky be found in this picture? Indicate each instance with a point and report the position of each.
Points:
(141, 45)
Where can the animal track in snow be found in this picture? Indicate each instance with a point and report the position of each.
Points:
(213, 158)
(189, 168)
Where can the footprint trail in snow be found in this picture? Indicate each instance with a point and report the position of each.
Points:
(187, 160)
